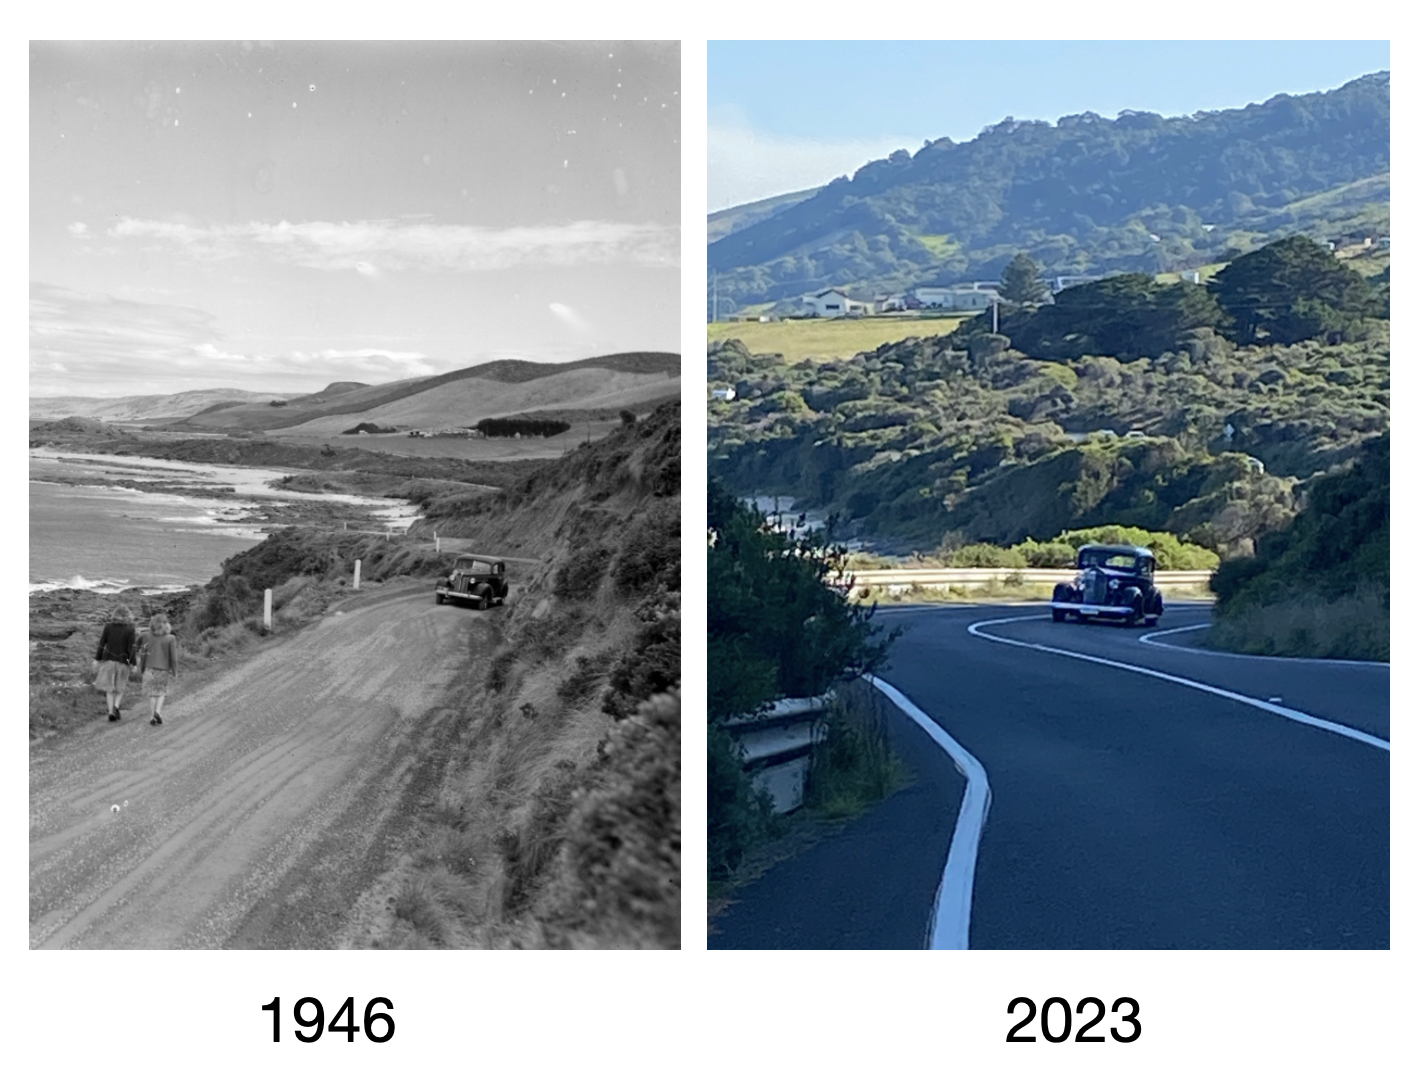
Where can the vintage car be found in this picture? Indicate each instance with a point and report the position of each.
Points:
(1114, 583)
(480, 581)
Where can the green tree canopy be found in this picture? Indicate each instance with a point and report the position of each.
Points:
(1126, 316)
(1292, 290)
(1020, 282)
(775, 626)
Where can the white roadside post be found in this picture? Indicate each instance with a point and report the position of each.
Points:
(267, 610)
(356, 579)
(437, 542)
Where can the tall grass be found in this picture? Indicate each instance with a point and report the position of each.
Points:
(856, 765)
(1354, 626)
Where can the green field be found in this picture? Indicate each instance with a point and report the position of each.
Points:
(837, 339)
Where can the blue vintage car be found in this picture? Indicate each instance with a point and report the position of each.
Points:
(1114, 583)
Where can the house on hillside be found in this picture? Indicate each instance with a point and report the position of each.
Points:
(827, 303)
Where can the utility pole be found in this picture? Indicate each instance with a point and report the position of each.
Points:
(994, 304)
(714, 297)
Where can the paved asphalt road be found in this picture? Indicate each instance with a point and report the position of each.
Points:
(1128, 811)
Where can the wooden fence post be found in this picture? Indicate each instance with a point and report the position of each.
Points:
(356, 580)
(267, 609)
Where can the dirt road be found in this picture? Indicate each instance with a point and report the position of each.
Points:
(266, 803)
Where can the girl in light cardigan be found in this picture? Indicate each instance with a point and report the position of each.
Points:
(159, 662)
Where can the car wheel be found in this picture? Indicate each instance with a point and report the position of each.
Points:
(1135, 618)
(482, 598)
(1059, 616)
(439, 598)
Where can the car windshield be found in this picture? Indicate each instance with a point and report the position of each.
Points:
(1121, 562)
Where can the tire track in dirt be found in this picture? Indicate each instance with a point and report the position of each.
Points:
(257, 812)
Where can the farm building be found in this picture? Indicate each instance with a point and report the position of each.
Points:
(955, 298)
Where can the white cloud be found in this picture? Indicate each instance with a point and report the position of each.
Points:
(79, 230)
(745, 165)
(371, 246)
(94, 344)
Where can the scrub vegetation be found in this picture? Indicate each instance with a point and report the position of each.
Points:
(779, 625)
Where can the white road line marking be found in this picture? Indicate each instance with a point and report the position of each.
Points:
(1152, 640)
(949, 926)
(1283, 711)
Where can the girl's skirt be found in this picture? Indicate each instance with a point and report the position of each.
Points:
(112, 676)
(156, 681)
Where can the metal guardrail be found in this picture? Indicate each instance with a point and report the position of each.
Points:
(776, 747)
(905, 578)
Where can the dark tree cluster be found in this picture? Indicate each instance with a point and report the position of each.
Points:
(523, 426)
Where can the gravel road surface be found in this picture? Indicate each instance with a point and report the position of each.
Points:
(270, 798)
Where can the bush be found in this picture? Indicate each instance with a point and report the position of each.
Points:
(652, 551)
(581, 573)
(984, 555)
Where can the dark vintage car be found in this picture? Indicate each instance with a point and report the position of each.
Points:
(1114, 583)
(480, 581)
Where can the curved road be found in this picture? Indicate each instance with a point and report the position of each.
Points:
(266, 803)
(1130, 811)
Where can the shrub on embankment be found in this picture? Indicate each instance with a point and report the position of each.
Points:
(1319, 588)
(305, 570)
(1172, 553)
(775, 627)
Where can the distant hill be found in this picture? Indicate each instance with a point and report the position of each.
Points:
(731, 220)
(1086, 195)
(147, 406)
(499, 388)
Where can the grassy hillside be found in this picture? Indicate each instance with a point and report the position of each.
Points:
(464, 402)
(148, 406)
(560, 824)
(1320, 587)
(361, 400)
(730, 220)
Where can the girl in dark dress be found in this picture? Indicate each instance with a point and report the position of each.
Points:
(118, 647)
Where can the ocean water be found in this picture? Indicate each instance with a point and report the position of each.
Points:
(110, 539)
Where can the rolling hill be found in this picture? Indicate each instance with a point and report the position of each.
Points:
(634, 381)
(1085, 195)
(150, 406)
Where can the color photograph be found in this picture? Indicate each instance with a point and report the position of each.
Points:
(1048, 445)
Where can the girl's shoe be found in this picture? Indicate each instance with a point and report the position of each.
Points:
(115, 715)
(156, 719)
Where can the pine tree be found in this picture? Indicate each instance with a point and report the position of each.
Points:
(1292, 290)
(1020, 282)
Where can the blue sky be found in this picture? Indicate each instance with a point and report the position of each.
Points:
(282, 216)
(789, 115)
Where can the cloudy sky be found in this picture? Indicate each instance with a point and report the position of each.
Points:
(278, 217)
(792, 115)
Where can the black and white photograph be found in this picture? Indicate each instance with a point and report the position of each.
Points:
(354, 495)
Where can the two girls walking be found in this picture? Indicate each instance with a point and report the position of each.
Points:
(156, 656)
